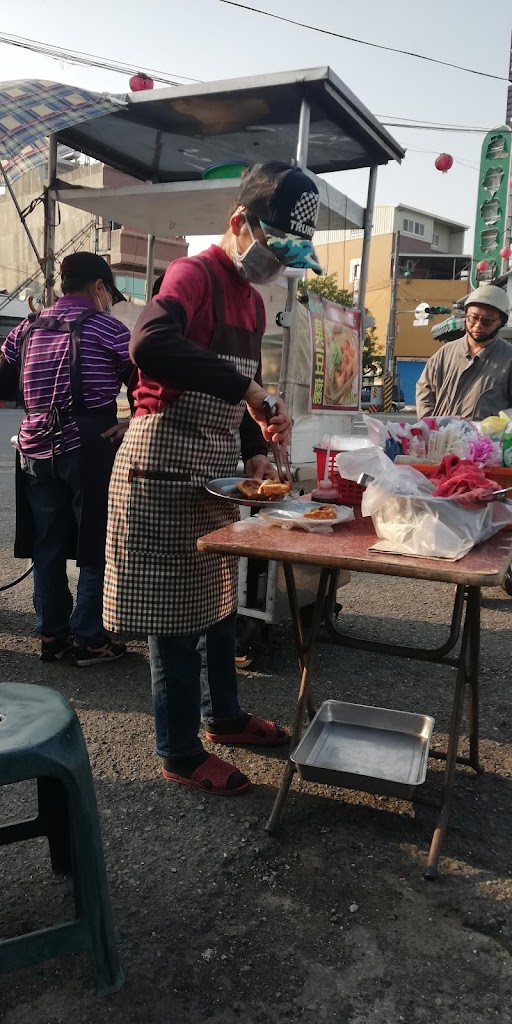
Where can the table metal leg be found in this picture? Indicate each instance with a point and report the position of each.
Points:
(451, 753)
(337, 636)
(305, 647)
(298, 630)
(473, 611)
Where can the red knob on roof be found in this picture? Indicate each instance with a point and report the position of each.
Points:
(141, 82)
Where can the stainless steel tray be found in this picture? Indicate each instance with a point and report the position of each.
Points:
(373, 750)
(226, 487)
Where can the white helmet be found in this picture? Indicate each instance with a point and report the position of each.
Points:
(489, 295)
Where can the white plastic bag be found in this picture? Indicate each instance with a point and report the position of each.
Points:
(409, 520)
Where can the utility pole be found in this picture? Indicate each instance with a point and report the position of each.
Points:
(50, 209)
(389, 362)
(507, 237)
(508, 115)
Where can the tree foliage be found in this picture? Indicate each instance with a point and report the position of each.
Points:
(373, 363)
(327, 287)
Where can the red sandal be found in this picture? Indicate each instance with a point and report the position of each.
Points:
(258, 732)
(211, 776)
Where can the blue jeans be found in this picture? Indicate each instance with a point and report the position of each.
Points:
(179, 699)
(53, 493)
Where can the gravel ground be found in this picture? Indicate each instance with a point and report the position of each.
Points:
(328, 921)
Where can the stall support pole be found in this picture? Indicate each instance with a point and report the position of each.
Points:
(301, 156)
(301, 159)
(367, 236)
(150, 266)
(50, 207)
(97, 234)
(365, 255)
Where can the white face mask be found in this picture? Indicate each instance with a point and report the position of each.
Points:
(257, 264)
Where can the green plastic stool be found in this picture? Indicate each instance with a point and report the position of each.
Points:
(41, 738)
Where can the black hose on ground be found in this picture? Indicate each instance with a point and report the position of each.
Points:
(14, 583)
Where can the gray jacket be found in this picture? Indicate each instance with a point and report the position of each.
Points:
(456, 383)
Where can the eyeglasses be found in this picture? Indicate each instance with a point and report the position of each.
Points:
(472, 320)
(486, 321)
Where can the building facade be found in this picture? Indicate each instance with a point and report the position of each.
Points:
(433, 268)
(122, 246)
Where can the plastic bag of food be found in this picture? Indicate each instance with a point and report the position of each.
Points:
(408, 519)
(494, 426)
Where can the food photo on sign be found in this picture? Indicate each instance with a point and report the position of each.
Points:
(336, 342)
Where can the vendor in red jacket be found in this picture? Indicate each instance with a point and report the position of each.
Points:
(199, 405)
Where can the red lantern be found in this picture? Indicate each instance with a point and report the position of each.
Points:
(443, 162)
(483, 265)
(506, 252)
(141, 82)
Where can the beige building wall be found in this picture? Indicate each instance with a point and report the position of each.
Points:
(411, 341)
(418, 341)
(337, 258)
(124, 248)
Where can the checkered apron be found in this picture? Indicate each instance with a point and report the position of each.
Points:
(156, 582)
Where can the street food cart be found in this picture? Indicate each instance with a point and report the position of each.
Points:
(165, 140)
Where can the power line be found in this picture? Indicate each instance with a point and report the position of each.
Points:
(93, 60)
(441, 124)
(104, 63)
(434, 152)
(429, 128)
(363, 42)
(87, 59)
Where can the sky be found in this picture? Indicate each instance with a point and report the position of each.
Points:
(208, 40)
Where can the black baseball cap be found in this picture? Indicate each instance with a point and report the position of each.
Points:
(286, 203)
(86, 267)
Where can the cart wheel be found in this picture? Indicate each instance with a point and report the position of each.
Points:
(507, 582)
(252, 641)
(244, 659)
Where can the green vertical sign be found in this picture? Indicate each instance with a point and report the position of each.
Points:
(491, 207)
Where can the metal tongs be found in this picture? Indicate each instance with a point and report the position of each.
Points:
(500, 495)
(279, 452)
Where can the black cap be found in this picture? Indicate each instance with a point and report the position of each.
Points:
(286, 202)
(87, 267)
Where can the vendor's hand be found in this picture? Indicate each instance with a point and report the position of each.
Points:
(259, 468)
(115, 434)
(278, 429)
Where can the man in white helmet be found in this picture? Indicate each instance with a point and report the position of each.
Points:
(471, 377)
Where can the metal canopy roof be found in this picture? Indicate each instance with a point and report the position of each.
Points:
(173, 134)
(192, 207)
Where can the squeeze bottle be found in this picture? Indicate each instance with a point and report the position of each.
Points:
(326, 491)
